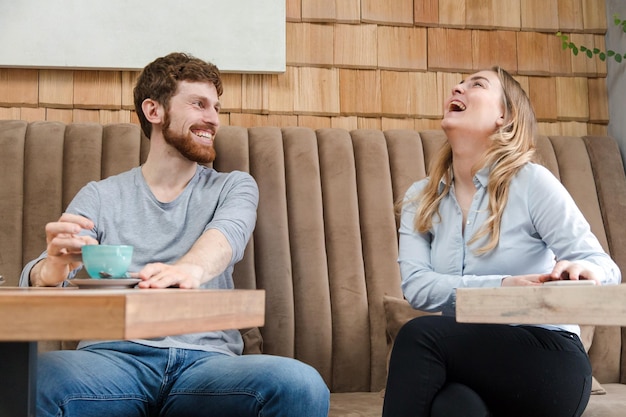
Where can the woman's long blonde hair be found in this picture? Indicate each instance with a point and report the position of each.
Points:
(512, 146)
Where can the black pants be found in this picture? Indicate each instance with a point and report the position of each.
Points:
(439, 367)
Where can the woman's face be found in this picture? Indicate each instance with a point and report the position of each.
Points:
(476, 106)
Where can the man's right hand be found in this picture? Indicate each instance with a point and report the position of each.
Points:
(64, 252)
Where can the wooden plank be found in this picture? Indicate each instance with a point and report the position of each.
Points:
(594, 16)
(598, 100)
(493, 14)
(427, 124)
(396, 97)
(396, 12)
(85, 116)
(59, 115)
(9, 113)
(425, 95)
(541, 54)
(314, 122)
(491, 47)
(310, 44)
(349, 11)
(369, 123)
(114, 116)
(542, 93)
(507, 15)
(601, 305)
(573, 128)
(317, 91)
(31, 114)
(570, 15)
(281, 98)
(19, 87)
(69, 314)
(426, 12)
(389, 123)
(401, 48)
(581, 64)
(56, 88)
(129, 79)
(449, 49)
(540, 15)
(360, 92)
(353, 46)
(191, 311)
(452, 13)
(597, 129)
(97, 89)
(293, 10)
(343, 122)
(319, 11)
(572, 98)
(255, 93)
(231, 100)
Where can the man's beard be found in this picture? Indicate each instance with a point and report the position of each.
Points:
(186, 145)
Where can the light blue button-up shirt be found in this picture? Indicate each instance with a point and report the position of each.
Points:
(540, 224)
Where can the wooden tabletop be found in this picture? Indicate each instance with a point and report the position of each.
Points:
(32, 314)
(597, 305)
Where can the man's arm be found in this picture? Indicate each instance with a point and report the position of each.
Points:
(209, 256)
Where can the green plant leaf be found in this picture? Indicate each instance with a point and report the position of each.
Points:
(596, 51)
(618, 58)
(610, 53)
(589, 54)
(602, 56)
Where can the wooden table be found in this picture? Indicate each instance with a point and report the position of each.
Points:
(595, 305)
(29, 315)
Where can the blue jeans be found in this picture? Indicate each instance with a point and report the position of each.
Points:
(128, 379)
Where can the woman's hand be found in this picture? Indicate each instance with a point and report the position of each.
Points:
(521, 280)
(563, 270)
(567, 270)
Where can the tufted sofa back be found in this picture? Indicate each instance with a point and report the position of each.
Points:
(325, 243)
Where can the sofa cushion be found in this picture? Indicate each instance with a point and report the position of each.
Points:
(355, 404)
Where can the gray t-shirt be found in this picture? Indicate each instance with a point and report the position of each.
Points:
(125, 211)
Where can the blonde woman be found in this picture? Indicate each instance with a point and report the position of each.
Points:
(487, 216)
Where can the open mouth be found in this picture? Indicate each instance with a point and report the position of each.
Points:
(203, 134)
(456, 105)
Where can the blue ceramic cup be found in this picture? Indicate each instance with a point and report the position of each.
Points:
(107, 261)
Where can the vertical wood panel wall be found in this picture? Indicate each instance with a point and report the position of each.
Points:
(371, 64)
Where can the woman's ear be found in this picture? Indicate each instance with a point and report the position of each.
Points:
(152, 110)
(500, 121)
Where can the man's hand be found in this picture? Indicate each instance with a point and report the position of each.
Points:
(160, 275)
(63, 248)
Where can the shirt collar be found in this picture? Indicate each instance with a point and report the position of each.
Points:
(481, 178)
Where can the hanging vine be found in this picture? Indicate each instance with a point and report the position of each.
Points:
(591, 52)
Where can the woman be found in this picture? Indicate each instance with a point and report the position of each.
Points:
(487, 216)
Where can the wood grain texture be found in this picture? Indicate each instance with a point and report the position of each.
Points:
(72, 314)
(602, 305)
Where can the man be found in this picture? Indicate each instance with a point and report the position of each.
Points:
(189, 225)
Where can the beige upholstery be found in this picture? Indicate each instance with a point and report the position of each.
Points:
(325, 244)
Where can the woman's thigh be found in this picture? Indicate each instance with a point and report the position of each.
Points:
(517, 370)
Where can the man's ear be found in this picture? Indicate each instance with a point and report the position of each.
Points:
(152, 110)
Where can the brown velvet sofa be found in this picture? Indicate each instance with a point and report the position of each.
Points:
(325, 244)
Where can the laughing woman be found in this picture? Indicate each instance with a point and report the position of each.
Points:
(487, 216)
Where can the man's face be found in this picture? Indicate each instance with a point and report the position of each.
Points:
(192, 121)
